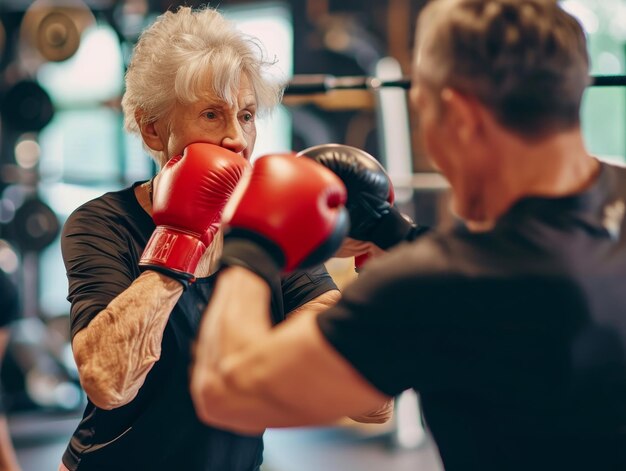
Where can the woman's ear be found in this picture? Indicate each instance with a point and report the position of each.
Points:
(149, 132)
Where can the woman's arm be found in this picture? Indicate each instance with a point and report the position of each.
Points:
(117, 349)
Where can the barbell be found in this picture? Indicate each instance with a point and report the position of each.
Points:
(311, 84)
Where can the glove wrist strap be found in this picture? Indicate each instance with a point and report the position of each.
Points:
(173, 252)
(253, 252)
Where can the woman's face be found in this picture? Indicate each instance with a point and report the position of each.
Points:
(213, 121)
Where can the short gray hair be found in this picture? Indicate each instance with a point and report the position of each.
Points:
(526, 60)
(176, 54)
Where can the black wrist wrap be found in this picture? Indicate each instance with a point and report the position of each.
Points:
(254, 252)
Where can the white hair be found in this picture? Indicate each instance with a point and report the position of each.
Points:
(176, 55)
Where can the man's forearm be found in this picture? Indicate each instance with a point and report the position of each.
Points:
(229, 384)
(382, 413)
(115, 352)
(246, 299)
(237, 316)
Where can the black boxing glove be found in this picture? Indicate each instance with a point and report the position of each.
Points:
(373, 218)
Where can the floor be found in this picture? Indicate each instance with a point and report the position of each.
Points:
(40, 441)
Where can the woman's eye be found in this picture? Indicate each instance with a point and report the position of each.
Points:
(247, 117)
(210, 114)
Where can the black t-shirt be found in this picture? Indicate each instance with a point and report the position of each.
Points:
(101, 243)
(514, 338)
(9, 300)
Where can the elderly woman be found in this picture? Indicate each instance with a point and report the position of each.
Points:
(140, 261)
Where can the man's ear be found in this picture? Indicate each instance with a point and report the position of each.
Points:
(149, 132)
(462, 114)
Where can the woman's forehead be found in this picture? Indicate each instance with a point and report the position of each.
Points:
(236, 97)
(234, 91)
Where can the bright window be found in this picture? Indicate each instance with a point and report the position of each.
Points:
(604, 108)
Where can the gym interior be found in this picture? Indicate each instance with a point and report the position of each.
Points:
(62, 143)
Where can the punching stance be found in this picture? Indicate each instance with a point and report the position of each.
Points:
(141, 261)
(511, 324)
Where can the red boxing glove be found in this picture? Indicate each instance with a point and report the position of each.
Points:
(189, 196)
(290, 215)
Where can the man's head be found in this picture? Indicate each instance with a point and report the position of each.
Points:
(194, 77)
(526, 60)
(516, 66)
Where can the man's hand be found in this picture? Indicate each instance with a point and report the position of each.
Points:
(289, 214)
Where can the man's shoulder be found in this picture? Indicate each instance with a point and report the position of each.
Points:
(434, 254)
(617, 176)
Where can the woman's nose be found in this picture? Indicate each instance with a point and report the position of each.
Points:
(234, 138)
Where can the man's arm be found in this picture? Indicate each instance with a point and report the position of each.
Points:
(248, 376)
(115, 352)
(384, 411)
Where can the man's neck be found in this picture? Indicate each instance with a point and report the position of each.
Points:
(553, 167)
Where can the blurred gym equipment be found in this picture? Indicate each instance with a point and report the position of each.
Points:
(34, 226)
(310, 84)
(38, 370)
(26, 107)
(53, 28)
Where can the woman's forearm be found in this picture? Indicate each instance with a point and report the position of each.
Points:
(115, 352)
